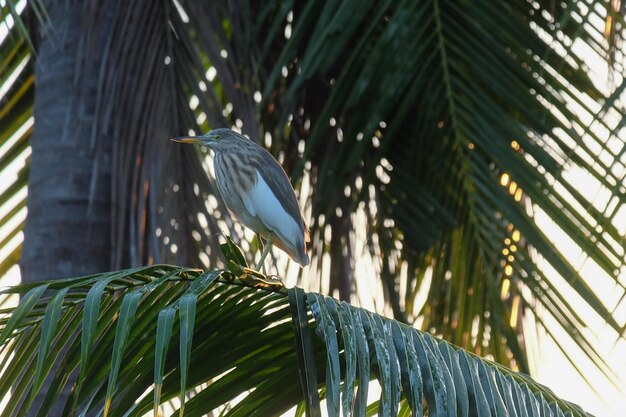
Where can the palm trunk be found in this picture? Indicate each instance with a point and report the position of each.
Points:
(67, 230)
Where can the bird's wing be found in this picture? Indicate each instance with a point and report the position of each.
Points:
(264, 203)
(248, 203)
(272, 216)
(274, 176)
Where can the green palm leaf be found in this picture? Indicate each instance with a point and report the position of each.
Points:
(237, 341)
(16, 110)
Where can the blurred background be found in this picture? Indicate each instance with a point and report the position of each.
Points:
(461, 165)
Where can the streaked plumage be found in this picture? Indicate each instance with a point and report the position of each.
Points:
(256, 189)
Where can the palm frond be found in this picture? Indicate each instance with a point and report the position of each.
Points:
(16, 110)
(134, 339)
(458, 129)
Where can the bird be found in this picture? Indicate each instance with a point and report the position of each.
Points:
(257, 191)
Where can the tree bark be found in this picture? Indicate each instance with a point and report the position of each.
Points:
(67, 231)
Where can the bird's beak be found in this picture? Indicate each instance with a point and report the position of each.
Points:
(188, 139)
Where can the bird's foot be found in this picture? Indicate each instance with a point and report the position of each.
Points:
(258, 280)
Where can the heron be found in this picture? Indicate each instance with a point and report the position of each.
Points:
(257, 191)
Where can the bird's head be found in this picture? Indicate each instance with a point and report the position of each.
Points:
(217, 139)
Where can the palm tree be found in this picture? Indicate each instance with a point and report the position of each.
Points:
(437, 130)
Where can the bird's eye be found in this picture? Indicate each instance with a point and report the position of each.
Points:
(218, 137)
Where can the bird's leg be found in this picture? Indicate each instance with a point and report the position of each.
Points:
(261, 242)
(266, 250)
(261, 247)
